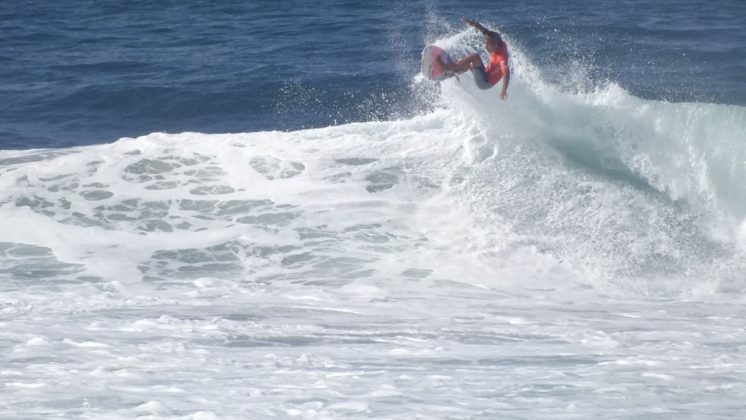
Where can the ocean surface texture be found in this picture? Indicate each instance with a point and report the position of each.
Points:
(259, 209)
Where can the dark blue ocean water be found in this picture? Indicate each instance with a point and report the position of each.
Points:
(87, 72)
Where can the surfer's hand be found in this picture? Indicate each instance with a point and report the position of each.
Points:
(469, 21)
(503, 95)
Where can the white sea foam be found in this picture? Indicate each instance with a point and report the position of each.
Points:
(556, 255)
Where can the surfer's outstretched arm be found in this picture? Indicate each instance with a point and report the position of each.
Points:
(476, 25)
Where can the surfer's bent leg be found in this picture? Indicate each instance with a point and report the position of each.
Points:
(480, 77)
(463, 65)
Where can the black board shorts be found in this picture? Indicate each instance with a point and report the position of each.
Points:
(480, 77)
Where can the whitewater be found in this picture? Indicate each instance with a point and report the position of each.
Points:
(569, 253)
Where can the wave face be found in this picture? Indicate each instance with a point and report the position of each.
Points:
(629, 188)
(399, 266)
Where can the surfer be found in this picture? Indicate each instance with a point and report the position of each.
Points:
(496, 69)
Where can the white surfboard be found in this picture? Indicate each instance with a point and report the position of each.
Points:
(430, 69)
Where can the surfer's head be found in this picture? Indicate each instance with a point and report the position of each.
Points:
(492, 41)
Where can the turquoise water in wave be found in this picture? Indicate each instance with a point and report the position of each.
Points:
(239, 210)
